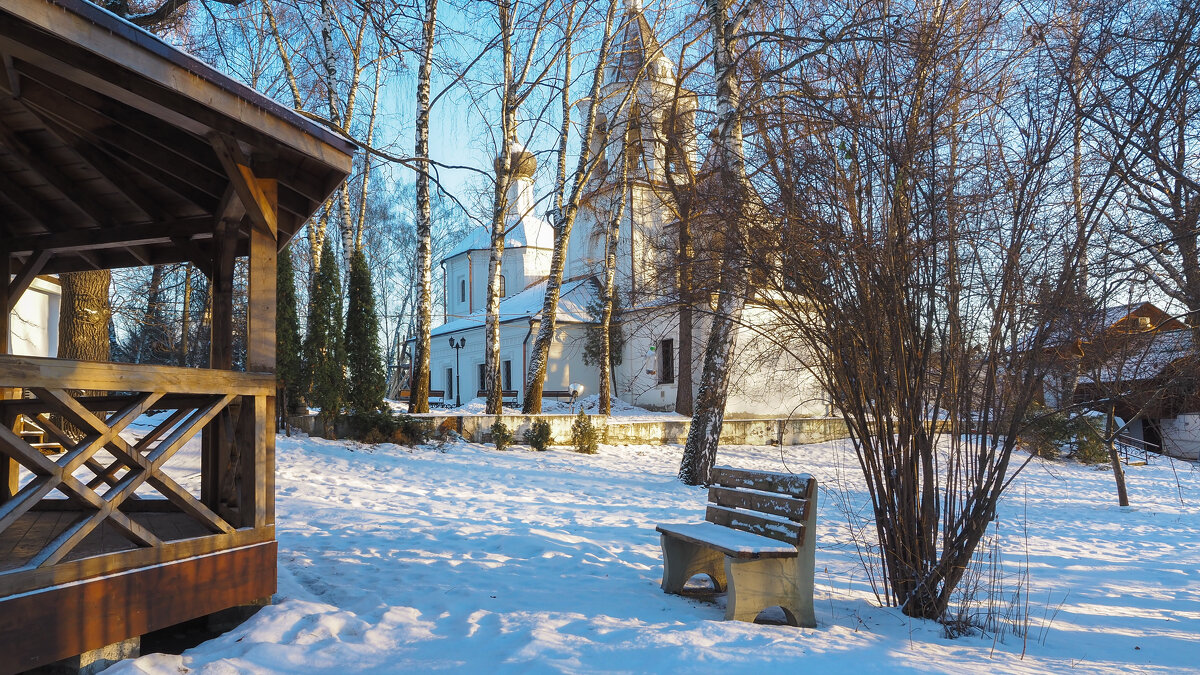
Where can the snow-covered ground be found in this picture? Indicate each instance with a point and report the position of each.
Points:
(460, 558)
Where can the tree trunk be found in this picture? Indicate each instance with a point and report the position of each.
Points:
(186, 315)
(701, 449)
(1115, 458)
(419, 384)
(683, 376)
(508, 130)
(84, 316)
(608, 288)
(563, 217)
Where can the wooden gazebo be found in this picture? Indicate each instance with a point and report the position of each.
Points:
(117, 150)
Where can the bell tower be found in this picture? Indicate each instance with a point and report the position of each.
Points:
(645, 129)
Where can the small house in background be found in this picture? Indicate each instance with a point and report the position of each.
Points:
(1141, 362)
(33, 322)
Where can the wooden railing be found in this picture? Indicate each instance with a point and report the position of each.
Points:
(93, 484)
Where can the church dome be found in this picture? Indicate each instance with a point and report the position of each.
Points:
(521, 161)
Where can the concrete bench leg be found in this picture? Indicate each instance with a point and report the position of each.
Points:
(755, 585)
(683, 560)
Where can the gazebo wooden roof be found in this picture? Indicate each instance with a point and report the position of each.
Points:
(117, 150)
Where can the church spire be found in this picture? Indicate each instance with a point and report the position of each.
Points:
(637, 54)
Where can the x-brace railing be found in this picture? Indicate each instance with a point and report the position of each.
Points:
(142, 462)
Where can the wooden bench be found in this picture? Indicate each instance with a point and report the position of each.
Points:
(434, 394)
(559, 394)
(507, 395)
(758, 539)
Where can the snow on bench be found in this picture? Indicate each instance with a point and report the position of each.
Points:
(758, 539)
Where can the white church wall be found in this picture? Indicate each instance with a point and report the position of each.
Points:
(33, 323)
(641, 373)
(766, 380)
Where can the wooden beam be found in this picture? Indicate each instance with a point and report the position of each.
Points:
(32, 268)
(260, 208)
(41, 372)
(87, 155)
(112, 237)
(11, 77)
(180, 168)
(260, 296)
(48, 625)
(35, 209)
(33, 159)
(128, 135)
(10, 482)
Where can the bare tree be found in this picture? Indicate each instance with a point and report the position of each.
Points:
(915, 255)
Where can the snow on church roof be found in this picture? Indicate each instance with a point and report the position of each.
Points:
(532, 232)
(573, 302)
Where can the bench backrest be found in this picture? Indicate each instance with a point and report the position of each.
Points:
(504, 393)
(781, 506)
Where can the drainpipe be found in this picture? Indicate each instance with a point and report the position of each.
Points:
(445, 294)
(525, 360)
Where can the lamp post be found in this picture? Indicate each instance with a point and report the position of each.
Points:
(457, 346)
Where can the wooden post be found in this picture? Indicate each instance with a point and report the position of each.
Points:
(218, 433)
(256, 435)
(9, 472)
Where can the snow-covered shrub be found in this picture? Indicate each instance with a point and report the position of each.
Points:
(583, 435)
(537, 436)
(502, 436)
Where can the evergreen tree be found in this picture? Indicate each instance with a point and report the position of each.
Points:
(363, 356)
(288, 366)
(324, 349)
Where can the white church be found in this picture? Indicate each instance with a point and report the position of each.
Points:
(638, 86)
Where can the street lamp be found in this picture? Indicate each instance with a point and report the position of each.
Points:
(456, 346)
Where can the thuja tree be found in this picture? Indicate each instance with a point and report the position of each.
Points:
(288, 364)
(324, 348)
(363, 356)
(912, 225)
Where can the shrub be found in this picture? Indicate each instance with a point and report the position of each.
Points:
(584, 436)
(502, 436)
(378, 426)
(537, 436)
(1047, 433)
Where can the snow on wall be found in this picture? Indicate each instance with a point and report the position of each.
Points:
(1181, 436)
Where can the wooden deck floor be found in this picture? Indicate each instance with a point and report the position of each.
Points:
(33, 531)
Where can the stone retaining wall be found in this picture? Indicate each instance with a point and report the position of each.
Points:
(619, 431)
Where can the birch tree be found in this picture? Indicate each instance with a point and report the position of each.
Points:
(521, 77)
(419, 397)
(566, 204)
(700, 451)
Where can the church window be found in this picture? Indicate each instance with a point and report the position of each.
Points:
(449, 383)
(503, 285)
(506, 378)
(666, 361)
(482, 378)
(462, 290)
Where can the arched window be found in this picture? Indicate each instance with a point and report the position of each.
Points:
(462, 290)
(503, 292)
